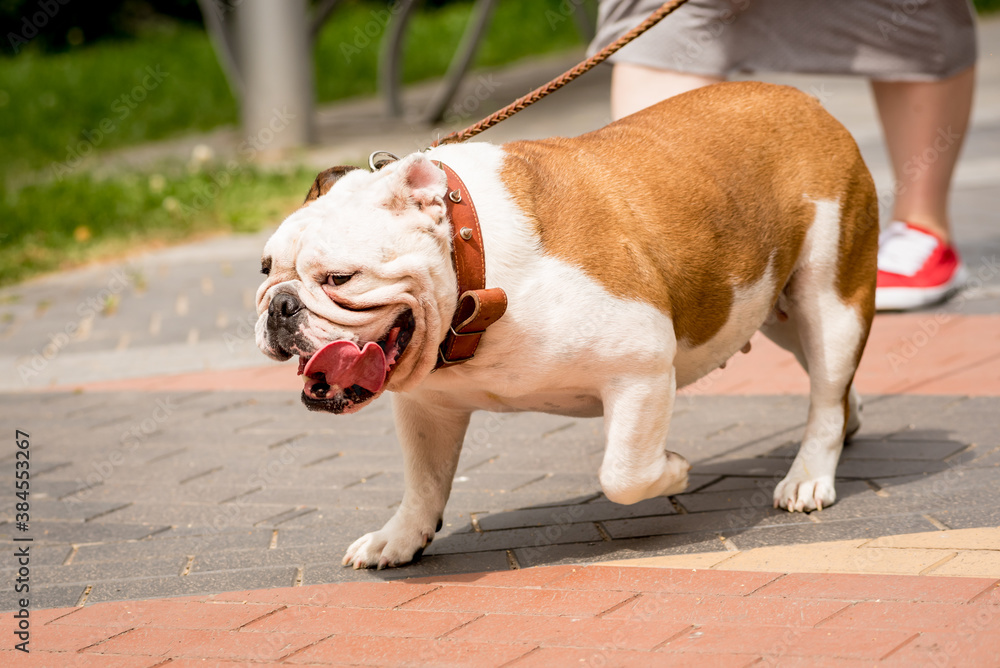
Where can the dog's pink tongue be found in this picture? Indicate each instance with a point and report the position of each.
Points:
(343, 364)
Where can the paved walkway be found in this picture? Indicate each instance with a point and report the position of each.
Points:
(170, 460)
(676, 611)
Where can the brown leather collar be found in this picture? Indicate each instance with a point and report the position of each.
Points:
(478, 307)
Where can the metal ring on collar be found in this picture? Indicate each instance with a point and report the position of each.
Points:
(380, 159)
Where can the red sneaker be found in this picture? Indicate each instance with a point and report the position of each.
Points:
(916, 268)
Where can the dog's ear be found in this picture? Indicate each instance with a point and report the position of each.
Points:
(419, 181)
(325, 180)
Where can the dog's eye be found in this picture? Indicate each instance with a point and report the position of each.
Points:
(338, 279)
(265, 266)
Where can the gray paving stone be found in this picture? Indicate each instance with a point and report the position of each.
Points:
(588, 553)
(51, 509)
(41, 555)
(524, 476)
(728, 483)
(876, 468)
(701, 522)
(119, 491)
(199, 583)
(898, 449)
(335, 533)
(89, 573)
(478, 501)
(829, 530)
(332, 494)
(445, 564)
(64, 596)
(556, 458)
(513, 538)
(756, 466)
(869, 505)
(727, 500)
(174, 542)
(969, 517)
(83, 532)
(557, 515)
(263, 558)
(212, 515)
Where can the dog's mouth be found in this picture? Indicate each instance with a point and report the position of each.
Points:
(341, 377)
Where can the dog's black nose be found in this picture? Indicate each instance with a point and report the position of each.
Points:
(284, 305)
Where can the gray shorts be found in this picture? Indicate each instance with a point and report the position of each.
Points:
(892, 40)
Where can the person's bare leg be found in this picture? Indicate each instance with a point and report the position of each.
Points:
(924, 124)
(635, 87)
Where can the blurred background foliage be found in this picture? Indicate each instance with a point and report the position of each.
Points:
(65, 66)
(60, 86)
(59, 82)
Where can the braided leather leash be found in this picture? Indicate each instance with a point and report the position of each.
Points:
(534, 96)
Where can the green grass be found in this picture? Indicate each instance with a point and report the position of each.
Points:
(49, 104)
(55, 108)
(347, 66)
(59, 224)
(52, 106)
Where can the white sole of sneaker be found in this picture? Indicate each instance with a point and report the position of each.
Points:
(907, 299)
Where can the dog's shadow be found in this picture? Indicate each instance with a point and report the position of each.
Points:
(737, 501)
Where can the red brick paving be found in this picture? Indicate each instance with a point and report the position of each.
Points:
(239, 645)
(554, 616)
(910, 353)
(733, 583)
(360, 650)
(506, 600)
(727, 609)
(913, 353)
(388, 622)
(603, 633)
(167, 614)
(863, 588)
(347, 594)
(548, 657)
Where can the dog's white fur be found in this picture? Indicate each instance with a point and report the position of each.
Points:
(565, 345)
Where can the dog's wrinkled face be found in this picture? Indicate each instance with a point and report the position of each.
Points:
(367, 261)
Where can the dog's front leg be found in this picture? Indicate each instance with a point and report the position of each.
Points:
(431, 438)
(636, 465)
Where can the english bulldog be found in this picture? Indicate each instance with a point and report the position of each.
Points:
(635, 259)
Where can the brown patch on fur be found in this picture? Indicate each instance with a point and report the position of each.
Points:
(680, 203)
(325, 180)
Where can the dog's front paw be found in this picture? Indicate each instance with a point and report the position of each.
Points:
(799, 492)
(387, 548)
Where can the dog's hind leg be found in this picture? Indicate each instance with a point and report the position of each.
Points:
(827, 327)
(785, 333)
